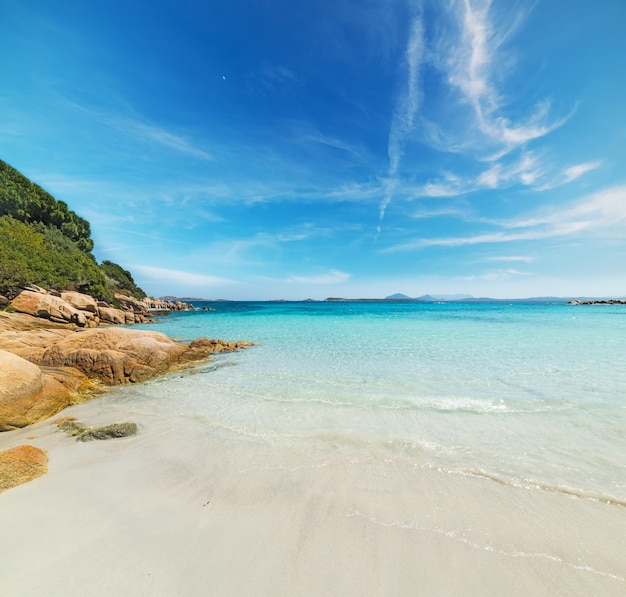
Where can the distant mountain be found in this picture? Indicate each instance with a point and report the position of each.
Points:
(398, 297)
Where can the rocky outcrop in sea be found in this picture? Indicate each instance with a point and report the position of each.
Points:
(598, 302)
(45, 369)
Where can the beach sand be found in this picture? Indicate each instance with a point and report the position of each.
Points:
(186, 510)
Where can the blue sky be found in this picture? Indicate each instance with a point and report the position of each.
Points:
(289, 149)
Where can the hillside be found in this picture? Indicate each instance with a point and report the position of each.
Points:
(45, 243)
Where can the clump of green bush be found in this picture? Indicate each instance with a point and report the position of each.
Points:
(43, 242)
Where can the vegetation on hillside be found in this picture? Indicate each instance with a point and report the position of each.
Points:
(43, 242)
(31, 254)
(120, 280)
(29, 203)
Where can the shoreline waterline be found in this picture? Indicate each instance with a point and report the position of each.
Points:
(178, 508)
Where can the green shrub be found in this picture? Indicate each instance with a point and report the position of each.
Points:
(43, 242)
(120, 280)
(45, 257)
(27, 202)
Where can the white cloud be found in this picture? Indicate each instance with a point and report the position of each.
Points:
(276, 74)
(457, 241)
(304, 133)
(141, 131)
(501, 274)
(603, 211)
(407, 105)
(490, 178)
(476, 65)
(424, 214)
(155, 134)
(568, 175)
(525, 171)
(178, 277)
(521, 258)
(574, 172)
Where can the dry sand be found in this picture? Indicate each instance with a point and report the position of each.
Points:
(183, 510)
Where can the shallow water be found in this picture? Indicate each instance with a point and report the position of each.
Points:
(522, 393)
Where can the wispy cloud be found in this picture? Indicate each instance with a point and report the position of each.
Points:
(574, 172)
(236, 252)
(140, 130)
(160, 239)
(513, 258)
(270, 78)
(568, 175)
(458, 241)
(176, 277)
(528, 170)
(305, 133)
(332, 277)
(474, 115)
(305, 231)
(407, 105)
(525, 170)
(474, 67)
(150, 133)
(603, 211)
(444, 212)
(500, 274)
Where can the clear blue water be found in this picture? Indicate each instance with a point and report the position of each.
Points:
(525, 394)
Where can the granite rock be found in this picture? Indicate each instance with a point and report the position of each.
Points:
(27, 394)
(48, 306)
(20, 465)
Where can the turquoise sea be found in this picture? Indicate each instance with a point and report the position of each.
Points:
(525, 394)
(358, 448)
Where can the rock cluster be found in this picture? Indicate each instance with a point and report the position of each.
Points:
(599, 302)
(166, 305)
(45, 369)
(119, 355)
(80, 309)
(53, 355)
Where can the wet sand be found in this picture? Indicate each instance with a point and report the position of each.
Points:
(186, 510)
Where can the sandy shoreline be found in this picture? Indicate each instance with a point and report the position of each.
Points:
(190, 510)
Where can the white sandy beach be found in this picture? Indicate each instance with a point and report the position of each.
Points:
(182, 510)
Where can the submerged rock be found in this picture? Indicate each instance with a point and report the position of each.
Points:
(86, 433)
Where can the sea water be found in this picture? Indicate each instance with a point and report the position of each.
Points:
(526, 394)
(358, 448)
